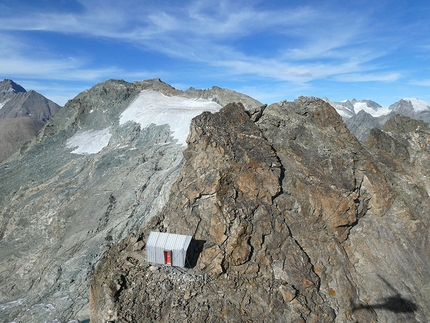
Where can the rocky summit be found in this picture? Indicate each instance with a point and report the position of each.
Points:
(293, 218)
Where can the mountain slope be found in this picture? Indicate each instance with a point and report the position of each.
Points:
(295, 219)
(361, 123)
(15, 132)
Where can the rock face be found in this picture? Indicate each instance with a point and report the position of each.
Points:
(22, 115)
(61, 210)
(295, 221)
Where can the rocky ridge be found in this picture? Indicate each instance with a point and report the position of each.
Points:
(296, 221)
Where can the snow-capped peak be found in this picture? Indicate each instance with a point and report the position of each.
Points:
(348, 108)
(417, 104)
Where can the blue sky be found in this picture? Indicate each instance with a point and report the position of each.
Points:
(271, 50)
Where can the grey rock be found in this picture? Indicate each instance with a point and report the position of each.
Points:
(226, 96)
(29, 104)
(8, 88)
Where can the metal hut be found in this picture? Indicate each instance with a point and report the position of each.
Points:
(168, 248)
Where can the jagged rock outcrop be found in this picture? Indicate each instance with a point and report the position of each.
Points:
(61, 209)
(297, 221)
(22, 115)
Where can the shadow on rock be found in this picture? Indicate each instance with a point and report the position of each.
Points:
(396, 303)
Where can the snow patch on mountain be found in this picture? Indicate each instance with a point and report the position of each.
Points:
(152, 107)
(89, 142)
(3, 103)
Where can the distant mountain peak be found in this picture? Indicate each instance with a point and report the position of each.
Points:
(418, 105)
(410, 107)
(7, 85)
(22, 115)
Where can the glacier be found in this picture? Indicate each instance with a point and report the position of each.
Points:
(151, 107)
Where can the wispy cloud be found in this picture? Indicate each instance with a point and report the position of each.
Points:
(28, 58)
(61, 69)
(297, 44)
(368, 77)
(202, 22)
(425, 82)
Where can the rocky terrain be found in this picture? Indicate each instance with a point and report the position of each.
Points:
(297, 222)
(295, 219)
(63, 201)
(22, 115)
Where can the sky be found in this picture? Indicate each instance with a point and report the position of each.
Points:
(270, 50)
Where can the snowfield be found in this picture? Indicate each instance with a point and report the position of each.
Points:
(89, 142)
(151, 107)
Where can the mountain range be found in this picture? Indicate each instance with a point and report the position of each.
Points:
(294, 218)
(361, 116)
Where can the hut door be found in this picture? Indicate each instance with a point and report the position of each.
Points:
(168, 257)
